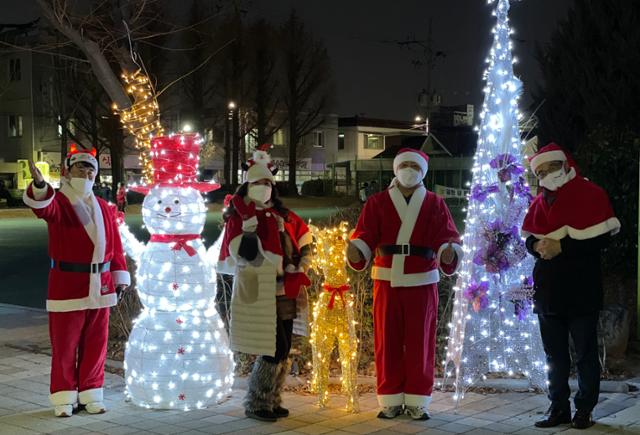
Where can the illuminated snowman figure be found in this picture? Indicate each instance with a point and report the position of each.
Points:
(177, 356)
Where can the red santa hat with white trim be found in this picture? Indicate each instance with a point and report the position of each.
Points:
(411, 155)
(549, 153)
(76, 155)
(260, 166)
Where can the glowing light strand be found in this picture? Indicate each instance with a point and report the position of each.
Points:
(142, 119)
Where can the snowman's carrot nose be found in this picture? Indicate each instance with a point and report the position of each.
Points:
(167, 210)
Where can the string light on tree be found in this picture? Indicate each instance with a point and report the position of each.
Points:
(177, 356)
(333, 317)
(142, 119)
(493, 328)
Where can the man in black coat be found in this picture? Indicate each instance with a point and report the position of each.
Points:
(567, 226)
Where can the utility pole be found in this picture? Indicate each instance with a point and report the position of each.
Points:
(428, 58)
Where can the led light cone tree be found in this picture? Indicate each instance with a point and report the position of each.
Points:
(177, 356)
(493, 328)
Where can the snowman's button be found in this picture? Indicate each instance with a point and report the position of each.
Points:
(268, 214)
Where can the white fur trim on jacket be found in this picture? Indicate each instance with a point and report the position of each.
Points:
(88, 396)
(42, 198)
(121, 277)
(88, 303)
(365, 250)
(306, 239)
(416, 400)
(458, 259)
(408, 214)
(391, 399)
(63, 398)
(407, 279)
(611, 225)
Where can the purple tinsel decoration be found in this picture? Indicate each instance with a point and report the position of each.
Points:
(479, 193)
(477, 295)
(507, 166)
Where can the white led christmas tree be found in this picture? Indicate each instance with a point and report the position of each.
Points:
(177, 356)
(493, 327)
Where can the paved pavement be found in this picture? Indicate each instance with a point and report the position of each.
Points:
(25, 409)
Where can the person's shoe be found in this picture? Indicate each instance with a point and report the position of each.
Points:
(582, 420)
(389, 412)
(262, 415)
(63, 410)
(95, 408)
(417, 412)
(555, 417)
(281, 412)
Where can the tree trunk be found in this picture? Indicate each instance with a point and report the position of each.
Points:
(293, 152)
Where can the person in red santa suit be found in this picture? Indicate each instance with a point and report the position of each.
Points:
(567, 226)
(411, 233)
(88, 270)
(267, 249)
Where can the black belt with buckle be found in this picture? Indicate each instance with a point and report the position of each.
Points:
(406, 249)
(81, 267)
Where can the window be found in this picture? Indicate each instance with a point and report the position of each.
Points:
(15, 126)
(317, 139)
(341, 141)
(15, 72)
(278, 137)
(373, 141)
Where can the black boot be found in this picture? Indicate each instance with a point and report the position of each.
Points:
(555, 417)
(258, 403)
(281, 376)
(582, 420)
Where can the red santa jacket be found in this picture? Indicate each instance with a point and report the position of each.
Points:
(80, 239)
(268, 238)
(425, 221)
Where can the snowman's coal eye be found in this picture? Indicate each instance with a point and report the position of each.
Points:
(159, 201)
(176, 201)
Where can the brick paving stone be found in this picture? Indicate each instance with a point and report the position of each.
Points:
(24, 408)
(409, 428)
(475, 421)
(8, 429)
(456, 427)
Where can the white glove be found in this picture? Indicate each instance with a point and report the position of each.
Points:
(250, 225)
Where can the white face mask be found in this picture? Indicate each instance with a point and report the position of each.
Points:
(409, 177)
(260, 193)
(554, 180)
(83, 186)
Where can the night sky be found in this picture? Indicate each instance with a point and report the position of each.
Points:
(375, 78)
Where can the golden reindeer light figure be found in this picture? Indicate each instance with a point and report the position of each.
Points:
(333, 318)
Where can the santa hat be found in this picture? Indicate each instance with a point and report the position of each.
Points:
(548, 153)
(80, 155)
(260, 166)
(411, 155)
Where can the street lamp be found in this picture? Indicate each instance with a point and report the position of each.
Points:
(232, 105)
(187, 128)
(418, 118)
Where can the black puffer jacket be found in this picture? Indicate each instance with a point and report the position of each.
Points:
(570, 283)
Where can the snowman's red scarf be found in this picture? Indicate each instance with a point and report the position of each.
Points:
(580, 210)
(180, 241)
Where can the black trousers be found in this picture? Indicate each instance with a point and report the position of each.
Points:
(555, 330)
(285, 313)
